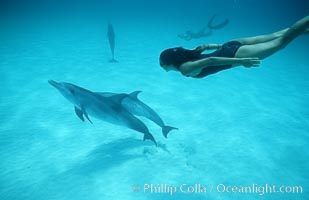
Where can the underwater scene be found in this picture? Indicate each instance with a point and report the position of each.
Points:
(165, 99)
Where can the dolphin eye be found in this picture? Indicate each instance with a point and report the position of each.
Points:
(72, 91)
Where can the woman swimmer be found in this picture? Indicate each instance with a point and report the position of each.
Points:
(247, 52)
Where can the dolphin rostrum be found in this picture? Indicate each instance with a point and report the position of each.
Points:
(111, 40)
(137, 107)
(110, 109)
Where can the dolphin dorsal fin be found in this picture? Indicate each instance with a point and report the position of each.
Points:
(118, 97)
(135, 94)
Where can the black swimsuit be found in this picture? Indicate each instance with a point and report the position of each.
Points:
(227, 50)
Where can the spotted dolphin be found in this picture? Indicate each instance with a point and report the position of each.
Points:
(88, 103)
(111, 40)
(137, 107)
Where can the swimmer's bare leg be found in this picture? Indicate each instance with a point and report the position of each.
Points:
(265, 49)
(272, 36)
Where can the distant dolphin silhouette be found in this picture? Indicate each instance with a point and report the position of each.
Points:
(217, 26)
(137, 107)
(108, 109)
(111, 40)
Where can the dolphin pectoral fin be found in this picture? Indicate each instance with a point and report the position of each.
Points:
(167, 129)
(135, 94)
(88, 118)
(148, 136)
(86, 114)
(79, 113)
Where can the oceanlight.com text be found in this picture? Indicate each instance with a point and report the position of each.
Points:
(259, 189)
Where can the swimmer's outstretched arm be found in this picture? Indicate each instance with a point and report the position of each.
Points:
(195, 67)
(208, 47)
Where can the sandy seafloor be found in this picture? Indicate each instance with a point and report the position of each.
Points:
(238, 128)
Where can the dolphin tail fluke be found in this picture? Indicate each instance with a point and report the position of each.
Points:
(167, 129)
(148, 136)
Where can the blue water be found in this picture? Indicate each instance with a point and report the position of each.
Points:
(240, 127)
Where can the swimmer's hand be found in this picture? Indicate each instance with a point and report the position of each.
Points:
(250, 62)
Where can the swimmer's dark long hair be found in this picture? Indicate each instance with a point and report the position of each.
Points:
(177, 56)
